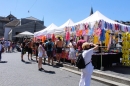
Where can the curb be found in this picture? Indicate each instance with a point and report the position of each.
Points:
(99, 73)
(109, 82)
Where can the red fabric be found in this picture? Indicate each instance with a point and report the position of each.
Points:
(67, 36)
(116, 27)
(53, 37)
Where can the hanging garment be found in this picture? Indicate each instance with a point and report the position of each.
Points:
(96, 39)
(67, 36)
(111, 26)
(81, 27)
(105, 25)
(102, 36)
(86, 26)
(90, 31)
(97, 32)
(107, 38)
(53, 37)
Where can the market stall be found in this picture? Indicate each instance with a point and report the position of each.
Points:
(101, 30)
(98, 29)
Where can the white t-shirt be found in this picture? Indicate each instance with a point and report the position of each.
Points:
(87, 55)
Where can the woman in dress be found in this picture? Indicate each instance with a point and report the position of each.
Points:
(41, 53)
(88, 70)
(72, 52)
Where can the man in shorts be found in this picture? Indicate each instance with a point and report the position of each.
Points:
(30, 45)
(49, 45)
(23, 49)
(59, 46)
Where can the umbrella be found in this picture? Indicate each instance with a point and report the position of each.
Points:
(25, 34)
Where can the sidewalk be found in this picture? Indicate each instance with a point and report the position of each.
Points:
(116, 75)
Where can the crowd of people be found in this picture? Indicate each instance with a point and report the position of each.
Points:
(50, 49)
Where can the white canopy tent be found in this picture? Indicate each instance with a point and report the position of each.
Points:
(25, 34)
(44, 31)
(60, 30)
(96, 17)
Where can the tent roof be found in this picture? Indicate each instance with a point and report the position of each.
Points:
(96, 17)
(26, 33)
(67, 23)
(51, 26)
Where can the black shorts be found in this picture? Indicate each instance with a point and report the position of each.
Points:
(29, 50)
(23, 51)
(59, 50)
(50, 54)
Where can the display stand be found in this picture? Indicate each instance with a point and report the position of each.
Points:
(101, 68)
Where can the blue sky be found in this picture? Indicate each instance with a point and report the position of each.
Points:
(59, 11)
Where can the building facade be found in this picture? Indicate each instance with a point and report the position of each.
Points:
(15, 26)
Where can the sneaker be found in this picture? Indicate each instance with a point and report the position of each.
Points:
(40, 69)
(22, 60)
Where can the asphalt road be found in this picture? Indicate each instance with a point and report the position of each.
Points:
(13, 72)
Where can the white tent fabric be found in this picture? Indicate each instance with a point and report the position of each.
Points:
(24, 34)
(60, 30)
(44, 31)
(96, 17)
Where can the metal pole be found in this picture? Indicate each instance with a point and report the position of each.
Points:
(101, 68)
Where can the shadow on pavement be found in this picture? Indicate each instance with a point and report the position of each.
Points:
(119, 69)
(50, 72)
(3, 61)
(26, 62)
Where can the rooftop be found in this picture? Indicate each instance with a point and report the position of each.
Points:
(13, 23)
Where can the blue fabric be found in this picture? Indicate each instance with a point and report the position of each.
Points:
(102, 35)
(111, 26)
(51, 44)
(90, 32)
(105, 24)
(73, 29)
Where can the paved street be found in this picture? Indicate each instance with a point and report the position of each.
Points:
(17, 73)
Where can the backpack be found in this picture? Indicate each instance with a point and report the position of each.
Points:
(80, 63)
(49, 46)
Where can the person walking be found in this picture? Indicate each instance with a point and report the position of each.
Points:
(1, 46)
(88, 70)
(41, 54)
(50, 45)
(59, 46)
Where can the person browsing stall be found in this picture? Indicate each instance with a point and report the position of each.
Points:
(79, 43)
(49, 45)
(59, 46)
